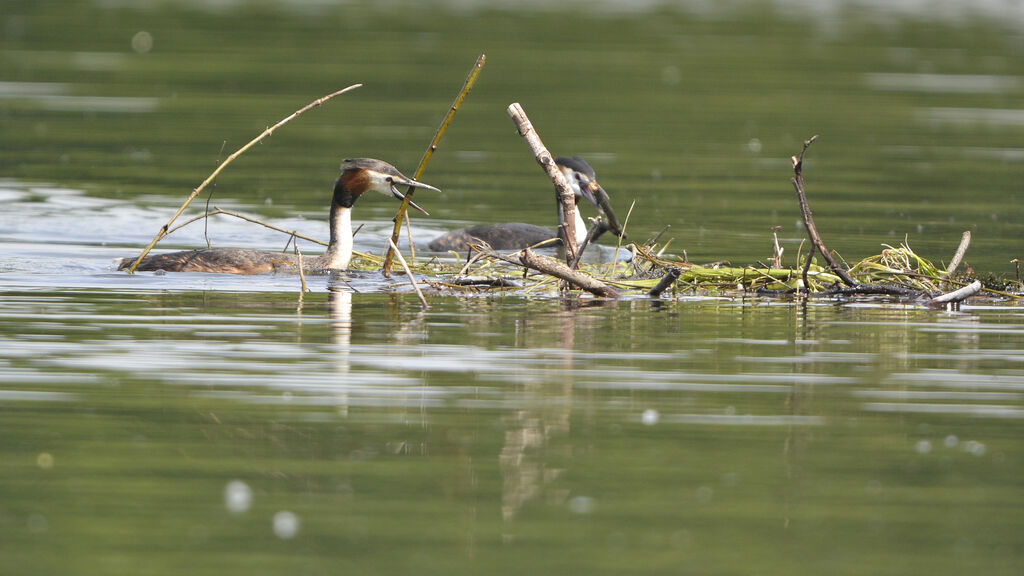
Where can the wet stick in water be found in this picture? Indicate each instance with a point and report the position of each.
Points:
(666, 281)
(403, 210)
(164, 229)
(566, 198)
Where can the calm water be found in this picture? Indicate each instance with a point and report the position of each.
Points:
(214, 425)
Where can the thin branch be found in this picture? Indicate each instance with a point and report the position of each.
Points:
(217, 211)
(965, 241)
(434, 143)
(164, 229)
(408, 272)
(566, 198)
(805, 211)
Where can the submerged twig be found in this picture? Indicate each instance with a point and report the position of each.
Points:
(434, 142)
(163, 229)
(566, 198)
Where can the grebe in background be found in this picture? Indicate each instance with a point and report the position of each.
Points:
(357, 176)
(517, 235)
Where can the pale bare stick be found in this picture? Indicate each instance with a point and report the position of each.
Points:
(408, 272)
(302, 273)
(553, 267)
(566, 198)
(163, 230)
(965, 241)
(956, 296)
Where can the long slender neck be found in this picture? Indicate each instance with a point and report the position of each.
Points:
(339, 249)
(581, 225)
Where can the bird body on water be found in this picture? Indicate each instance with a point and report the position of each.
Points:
(358, 176)
(518, 235)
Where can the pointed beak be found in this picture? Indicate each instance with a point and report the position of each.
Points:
(400, 196)
(413, 184)
(602, 202)
(587, 191)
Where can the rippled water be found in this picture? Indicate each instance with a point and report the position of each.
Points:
(213, 424)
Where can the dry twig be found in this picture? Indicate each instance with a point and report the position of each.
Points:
(164, 229)
(812, 230)
(566, 198)
(408, 272)
(403, 210)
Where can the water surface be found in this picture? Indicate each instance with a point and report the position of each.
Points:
(212, 424)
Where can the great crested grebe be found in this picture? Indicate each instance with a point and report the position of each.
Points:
(517, 235)
(358, 175)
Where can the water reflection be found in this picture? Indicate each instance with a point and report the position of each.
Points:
(339, 301)
(537, 432)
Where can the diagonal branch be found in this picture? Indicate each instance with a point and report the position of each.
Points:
(403, 210)
(805, 211)
(566, 198)
(164, 229)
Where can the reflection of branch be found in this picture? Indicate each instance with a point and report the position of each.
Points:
(812, 230)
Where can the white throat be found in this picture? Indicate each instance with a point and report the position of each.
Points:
(339, 250)
(581, 227)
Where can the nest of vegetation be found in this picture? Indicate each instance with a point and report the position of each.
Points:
(896, 272)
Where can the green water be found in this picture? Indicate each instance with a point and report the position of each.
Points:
(217, 425)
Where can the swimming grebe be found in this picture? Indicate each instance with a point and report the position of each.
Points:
(358, 175)
(517, 235)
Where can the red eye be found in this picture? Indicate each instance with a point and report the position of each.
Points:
(389, 179)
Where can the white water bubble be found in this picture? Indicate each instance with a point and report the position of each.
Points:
(974, 447)
(142, 42)
(237, 497)
(581, 505)
(951, 441)
(37, 524)
(923, 447)
(286, 525)
(704, 494)
(44, 460)
(650, 417)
